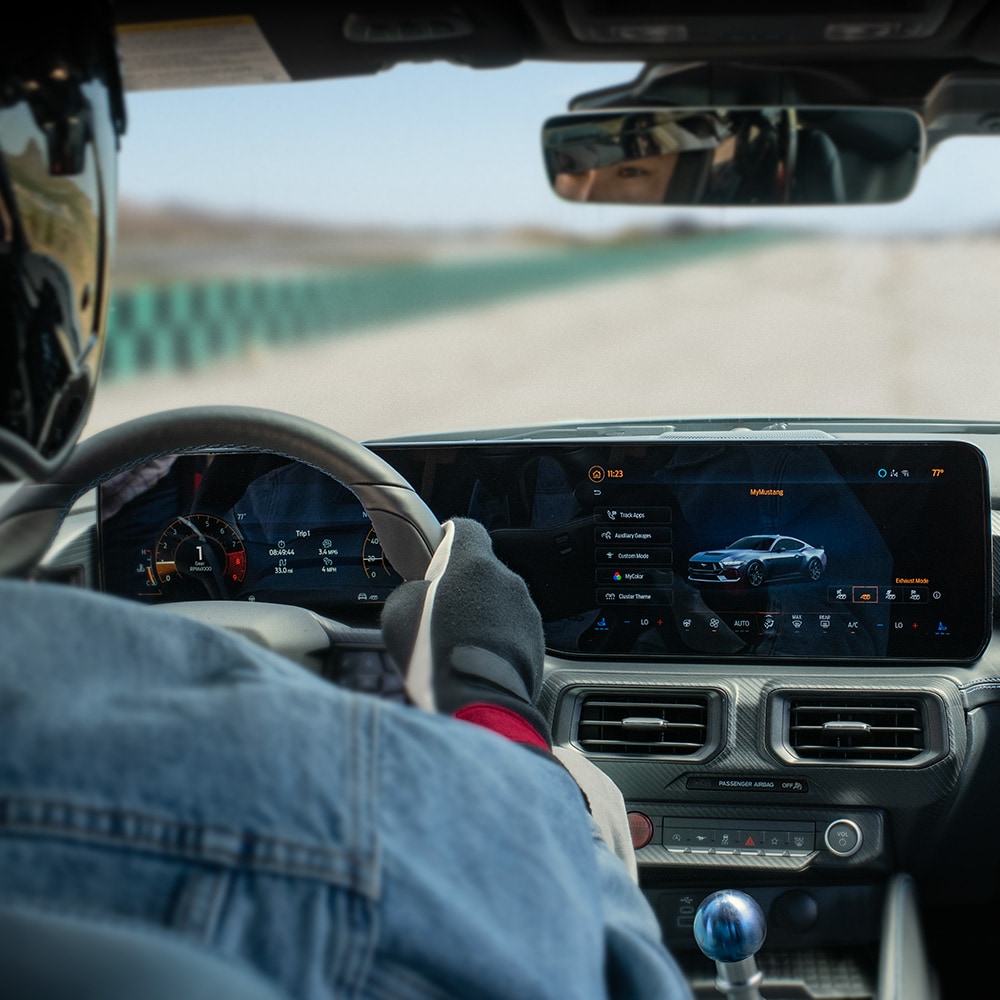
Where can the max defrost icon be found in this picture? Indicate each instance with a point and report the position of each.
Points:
(757, 559)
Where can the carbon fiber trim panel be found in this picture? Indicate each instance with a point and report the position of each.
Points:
(746, 747)
(655, 856)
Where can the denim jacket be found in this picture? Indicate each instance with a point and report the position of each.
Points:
(157, 771)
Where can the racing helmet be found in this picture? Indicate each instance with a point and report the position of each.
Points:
(61, 118)
(578, 142)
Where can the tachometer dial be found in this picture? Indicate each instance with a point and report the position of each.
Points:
(200, 554)
(377, 568)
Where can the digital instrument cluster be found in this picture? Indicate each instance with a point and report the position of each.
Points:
(845, 550)
(241, 527)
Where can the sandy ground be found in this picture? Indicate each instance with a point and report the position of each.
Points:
(847, 327)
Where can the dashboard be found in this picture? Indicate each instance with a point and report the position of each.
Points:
(775, 642)
(860, 551)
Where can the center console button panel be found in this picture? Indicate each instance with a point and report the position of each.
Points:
(749, 837)
(762, 840)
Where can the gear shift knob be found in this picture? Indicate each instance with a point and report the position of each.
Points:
(730, 928)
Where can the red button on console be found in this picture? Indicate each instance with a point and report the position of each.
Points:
(641, 828)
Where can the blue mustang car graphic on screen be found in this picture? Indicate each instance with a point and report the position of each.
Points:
(758, 559)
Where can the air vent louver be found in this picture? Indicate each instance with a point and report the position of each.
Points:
(838, 728)
(645, 724)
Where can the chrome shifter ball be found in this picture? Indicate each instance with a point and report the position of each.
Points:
(729, 926)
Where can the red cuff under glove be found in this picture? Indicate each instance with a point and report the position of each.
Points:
(504, 722)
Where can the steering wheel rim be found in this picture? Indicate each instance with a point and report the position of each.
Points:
(408, 530)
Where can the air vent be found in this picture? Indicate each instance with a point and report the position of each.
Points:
(838, 728)
(645, 724)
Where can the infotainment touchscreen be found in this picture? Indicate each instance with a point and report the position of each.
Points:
(686, 550)
(864, 551)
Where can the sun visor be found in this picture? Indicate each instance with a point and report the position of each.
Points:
(210, 52)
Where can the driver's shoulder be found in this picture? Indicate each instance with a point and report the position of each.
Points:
(51, 630)
(133, 728)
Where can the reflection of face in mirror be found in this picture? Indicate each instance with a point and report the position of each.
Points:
(645, 180)
(734, 156)
(634, 182)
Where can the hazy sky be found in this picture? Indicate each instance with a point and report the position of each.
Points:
(444, 145)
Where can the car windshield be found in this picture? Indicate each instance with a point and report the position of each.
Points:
(758, 543)
(383, 254)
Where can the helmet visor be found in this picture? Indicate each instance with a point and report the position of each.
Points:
(57, 196)
(580, 142)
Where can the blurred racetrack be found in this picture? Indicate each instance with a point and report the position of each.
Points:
(811, 326)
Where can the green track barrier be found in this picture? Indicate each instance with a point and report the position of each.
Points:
(188, 325)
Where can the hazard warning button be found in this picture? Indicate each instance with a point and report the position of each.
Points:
(750, 841)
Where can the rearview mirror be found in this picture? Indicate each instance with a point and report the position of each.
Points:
(734, 156)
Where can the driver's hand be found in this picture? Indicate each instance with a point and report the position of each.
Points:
(469, 639)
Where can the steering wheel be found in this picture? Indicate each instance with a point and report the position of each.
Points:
(407, 529)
